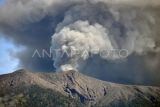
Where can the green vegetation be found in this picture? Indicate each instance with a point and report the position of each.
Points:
(38, 97)
(138, 101)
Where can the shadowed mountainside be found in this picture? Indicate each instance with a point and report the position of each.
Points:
(71, 89)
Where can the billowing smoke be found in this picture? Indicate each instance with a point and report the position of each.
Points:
(99, 30)
(78, 40)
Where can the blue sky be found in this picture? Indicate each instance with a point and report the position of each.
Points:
(2, 2)
(8, 63)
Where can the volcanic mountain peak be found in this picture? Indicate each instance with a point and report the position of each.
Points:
(88, 90)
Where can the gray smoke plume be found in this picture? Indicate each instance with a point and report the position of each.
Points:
(100, 27)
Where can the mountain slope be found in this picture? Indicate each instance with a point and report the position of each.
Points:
(72, 86)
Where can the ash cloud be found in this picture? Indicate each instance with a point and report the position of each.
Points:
(132, 25)
(105, 28)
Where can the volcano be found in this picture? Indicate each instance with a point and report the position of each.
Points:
(71, 89)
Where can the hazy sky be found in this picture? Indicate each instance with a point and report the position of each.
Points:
(8, 63)
(2, 2)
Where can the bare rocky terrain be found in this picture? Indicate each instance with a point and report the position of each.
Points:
(71, 89)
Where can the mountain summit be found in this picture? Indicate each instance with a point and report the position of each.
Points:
(71, 89)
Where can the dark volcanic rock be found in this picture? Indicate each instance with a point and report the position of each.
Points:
(74, 85)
